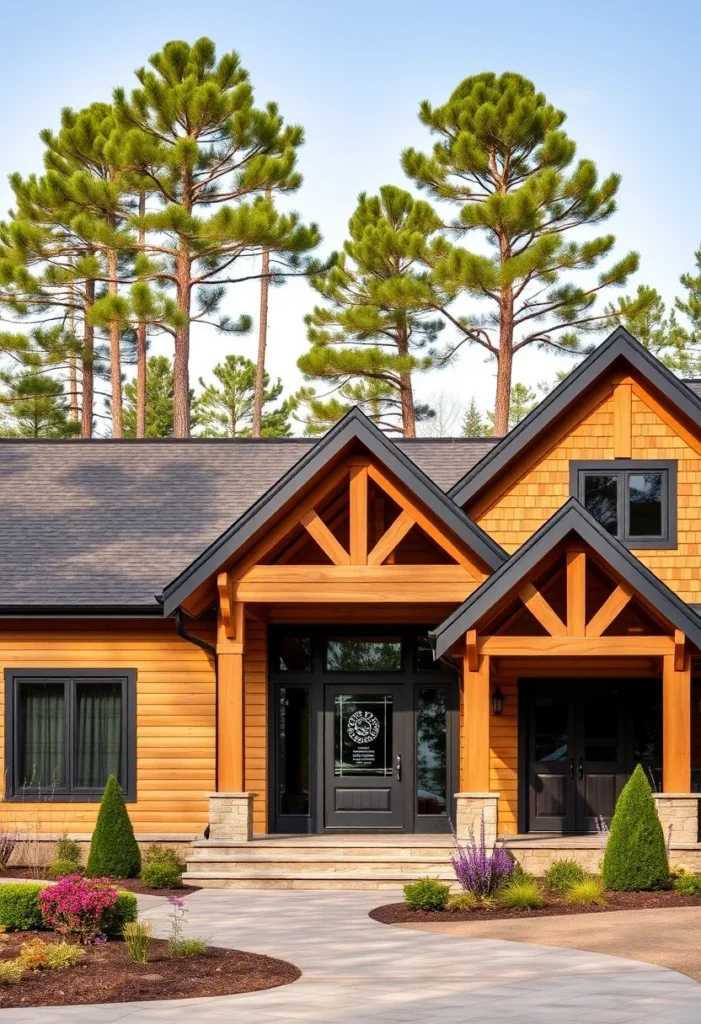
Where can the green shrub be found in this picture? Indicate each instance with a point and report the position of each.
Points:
(137, 938)
(68, 849)
(520, 875)
(462, 901)
(562, 874)
(161, 875)
(521, 895)
(114, 852)
(157, 854)
(125, 910)
(690, 885)
(59, 868)
(19, 906)
(187, 947)
(426, 894)
(635, 856)
(38, 955)
(586, 893)
(10, 972)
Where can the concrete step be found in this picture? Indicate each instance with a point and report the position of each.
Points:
(409, 867)
(255, 879)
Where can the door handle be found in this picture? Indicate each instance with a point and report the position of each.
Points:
(399, 767)
(581, 768)
(572, 768)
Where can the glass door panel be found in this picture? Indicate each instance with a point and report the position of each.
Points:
(431, 751)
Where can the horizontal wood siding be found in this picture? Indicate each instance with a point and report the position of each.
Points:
(175, 739)
(255, 682)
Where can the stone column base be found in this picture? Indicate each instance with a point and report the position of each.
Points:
(470, 809)
(231, 816)
(681, 811)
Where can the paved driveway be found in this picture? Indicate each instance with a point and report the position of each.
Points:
(356, 970)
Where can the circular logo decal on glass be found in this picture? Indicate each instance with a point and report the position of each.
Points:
(363, 727)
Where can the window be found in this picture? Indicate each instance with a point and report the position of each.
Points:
(363, 654)
(66, 732)
(635, 501)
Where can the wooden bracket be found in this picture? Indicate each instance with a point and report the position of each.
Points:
(542, 610)
(679, 650)
(472, 656)
(227, 603)
(612, 606)
(317, 528)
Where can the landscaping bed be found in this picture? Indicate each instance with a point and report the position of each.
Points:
(134, 885)
(400, 913)
(105, 975)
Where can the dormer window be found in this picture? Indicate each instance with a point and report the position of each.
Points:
(634, 501)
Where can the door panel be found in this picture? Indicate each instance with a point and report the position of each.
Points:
(551, 734)
(601, 753)
(366, 755)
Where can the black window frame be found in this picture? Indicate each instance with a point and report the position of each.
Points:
(14, 790)
(622, 469)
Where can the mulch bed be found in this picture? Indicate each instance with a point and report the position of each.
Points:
(399, 913)
(106, 975)
(130, 884)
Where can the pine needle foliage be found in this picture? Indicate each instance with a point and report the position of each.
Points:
(635, 857)
(227, 410)
(114, 852)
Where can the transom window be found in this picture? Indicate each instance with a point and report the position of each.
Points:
(635, 502)
(68, 732)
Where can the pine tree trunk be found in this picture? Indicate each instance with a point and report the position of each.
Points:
(87, 362)
(505, 359)
(115, 354)
(72, 366)
(262, 343)
(141, 346)
(181, 361)
(406, 388)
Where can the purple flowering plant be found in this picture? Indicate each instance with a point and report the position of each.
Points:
(75, 906)
(476, 870)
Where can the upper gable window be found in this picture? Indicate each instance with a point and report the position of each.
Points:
(634, 501)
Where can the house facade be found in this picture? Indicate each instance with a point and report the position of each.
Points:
(357, 635)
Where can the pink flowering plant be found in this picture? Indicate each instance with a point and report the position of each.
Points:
(75, 906)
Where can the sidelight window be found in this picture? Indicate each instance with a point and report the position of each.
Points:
(635, 502)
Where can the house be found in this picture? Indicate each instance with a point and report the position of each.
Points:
(361, 636)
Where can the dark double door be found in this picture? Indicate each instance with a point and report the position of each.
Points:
(583, 739)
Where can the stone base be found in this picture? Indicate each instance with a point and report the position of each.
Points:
(471, 809)
(231, 816)
(681, 812)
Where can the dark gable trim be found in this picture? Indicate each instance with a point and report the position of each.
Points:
(572, 517)
(355, 426)
(619, 345)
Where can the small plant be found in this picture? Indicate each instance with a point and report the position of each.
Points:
(59, 868)
(67, 849)
(602, 830)
(75, 906)
(161, 874)
(187, 947)
(476, 870)
(157, 854)
(124, 911)
(177, 944)
(19, 906)
(589, 892)
(426, 894)
(10, 972)
(8, 840)
(688, 884)
(38, 955)
(562, 874)
(137, 938)
(636, 858)
(521, 895)
(114, 852)
(462, 901)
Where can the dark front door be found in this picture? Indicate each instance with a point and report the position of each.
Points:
(368, 760)
(582, 744)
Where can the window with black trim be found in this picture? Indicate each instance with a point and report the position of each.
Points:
(68, 731)
(634, 501)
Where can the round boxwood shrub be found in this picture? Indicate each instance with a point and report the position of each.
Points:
(635, 857)
(19, 906)
(60, 867)
(562, 874)
(114, 852)
(68, 849)
(426, 894)
(126, 909)
(160, 874)
(158, 854)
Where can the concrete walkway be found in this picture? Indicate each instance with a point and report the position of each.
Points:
(357, 970)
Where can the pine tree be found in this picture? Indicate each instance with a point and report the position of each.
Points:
(34, 406)
(473, 425)
(114, 852)
(504, 159)
(379, 326)
(690, 307)
(227, 411)
(635, 856)
(523, 401)
(645, 316)
(192, 132)
(158, 410)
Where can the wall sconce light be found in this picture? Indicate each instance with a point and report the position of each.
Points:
(497, 701)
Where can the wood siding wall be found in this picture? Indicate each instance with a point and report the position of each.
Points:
(514, 515)
(255, 683)
(175, 718)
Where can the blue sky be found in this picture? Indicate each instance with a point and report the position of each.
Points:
(627, 74)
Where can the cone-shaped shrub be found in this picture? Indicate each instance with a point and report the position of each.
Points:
(636, 857)
(114, 852)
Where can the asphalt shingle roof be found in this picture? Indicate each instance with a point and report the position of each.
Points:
(110, 523)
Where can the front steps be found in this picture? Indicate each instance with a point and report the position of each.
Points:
(319, 862)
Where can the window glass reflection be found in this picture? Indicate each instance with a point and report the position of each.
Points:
(363, 654)
(431, 765)
(645, 495)
(601, 500)
(293, 748)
